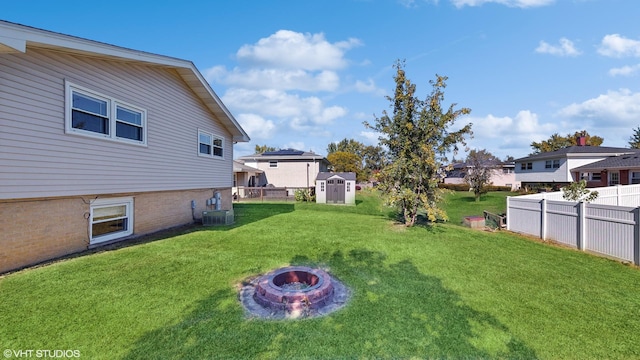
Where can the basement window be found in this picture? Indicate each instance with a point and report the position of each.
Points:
(110, 219)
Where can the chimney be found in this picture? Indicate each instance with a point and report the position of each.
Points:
(582, 140)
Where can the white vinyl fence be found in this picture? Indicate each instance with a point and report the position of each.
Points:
(597, 227)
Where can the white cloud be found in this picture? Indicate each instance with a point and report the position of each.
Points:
(625, 70)
(279, 79)
(564, 48)
(510, 3)
(615, 45)
(615, 108)
(371, 137)
(298, 145)
(301, 111)
(289, 49)
(369, 87)
(508, 135)
(256, 126)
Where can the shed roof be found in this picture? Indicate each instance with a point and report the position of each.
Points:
(344, 175)
(16, 38)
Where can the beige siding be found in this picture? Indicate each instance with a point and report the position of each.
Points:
(290, 173)
(39, 160)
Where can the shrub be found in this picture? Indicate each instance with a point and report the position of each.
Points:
(455, 187)
(304, 195)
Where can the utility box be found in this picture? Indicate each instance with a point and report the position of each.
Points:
(217, 217)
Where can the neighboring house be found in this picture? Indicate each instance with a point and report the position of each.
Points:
(245, 176)
(503, 175)
(556, 167)
(336, 188)
(616, 170)
(101, 143)
(287, 168)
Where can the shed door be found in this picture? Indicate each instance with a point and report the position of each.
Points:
(335, 191)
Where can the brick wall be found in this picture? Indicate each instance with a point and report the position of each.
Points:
(33, 231)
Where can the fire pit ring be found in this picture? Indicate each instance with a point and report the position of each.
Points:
(292, 292)
(294, 288)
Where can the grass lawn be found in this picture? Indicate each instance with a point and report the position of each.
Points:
(424, 292)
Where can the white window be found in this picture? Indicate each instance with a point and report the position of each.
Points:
(209, 144)
(526, 166)
(552, 164)
(614, 178)
(92, 114)
(321, 186)
(348, 186)
(110, 219)
(273, 164)
(635, 177)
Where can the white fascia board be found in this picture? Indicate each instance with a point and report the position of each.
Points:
(12, 45)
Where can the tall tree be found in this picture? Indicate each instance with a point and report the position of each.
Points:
(482, 164)
(372, 157)
(260, 149)
(557, 142)
(634, 140)
(417, 137)
(347, 145)
(342, 161)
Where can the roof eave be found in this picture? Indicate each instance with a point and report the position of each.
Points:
(17, 38)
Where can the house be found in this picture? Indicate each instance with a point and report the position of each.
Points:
(336, 188)
(245, 176)
(616, 170)
(101, 143)
(502, 175)
(555, 167)
(288, 168)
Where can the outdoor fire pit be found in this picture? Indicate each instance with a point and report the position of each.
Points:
(293, 292)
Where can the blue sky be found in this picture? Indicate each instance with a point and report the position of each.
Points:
(303, 74)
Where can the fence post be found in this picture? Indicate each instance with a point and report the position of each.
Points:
(543, 219)
(508, 212)
(582, 223)
(618, 195)
(636, 236)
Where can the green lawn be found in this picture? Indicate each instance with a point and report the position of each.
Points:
(425, 292)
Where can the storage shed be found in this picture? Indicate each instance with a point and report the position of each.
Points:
(336, 188)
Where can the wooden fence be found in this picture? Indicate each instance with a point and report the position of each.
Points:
(265, 193)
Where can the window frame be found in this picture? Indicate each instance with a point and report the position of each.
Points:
(631, 178)
(112, 104)
(273, 164)
(526, 166)
(107, 203)
(611, 179)
(212, 144)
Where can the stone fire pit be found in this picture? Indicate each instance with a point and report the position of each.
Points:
(293, 292)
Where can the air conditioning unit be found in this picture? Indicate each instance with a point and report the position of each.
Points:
(217, 217)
